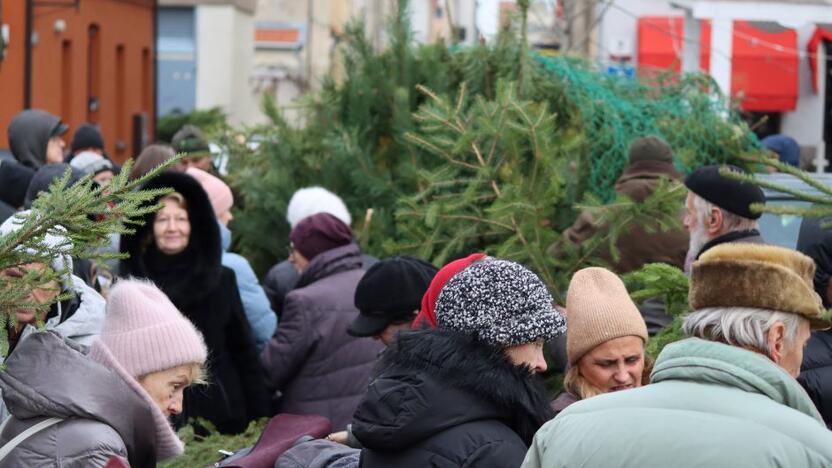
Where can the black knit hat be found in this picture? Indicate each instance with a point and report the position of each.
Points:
(390, 292)
(499, 302)
(87, 136)
(650, 148)
(729, 194)
(191, 141)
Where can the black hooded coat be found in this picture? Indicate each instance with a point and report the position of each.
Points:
(205, 292)
(14, 181)
(444, 399)
(29, 133)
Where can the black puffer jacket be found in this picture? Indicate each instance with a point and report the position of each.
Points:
(443, 399)
(205, 292)
(816, 371)
(14, 181)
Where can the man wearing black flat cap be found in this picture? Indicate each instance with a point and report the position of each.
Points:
(718, 210)
(388, 297)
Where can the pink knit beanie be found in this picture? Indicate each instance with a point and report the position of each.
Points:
(218, 191)
(146, 333)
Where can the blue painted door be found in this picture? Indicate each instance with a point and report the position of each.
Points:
(176, 69)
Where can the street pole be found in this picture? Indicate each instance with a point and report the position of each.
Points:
(690, 40)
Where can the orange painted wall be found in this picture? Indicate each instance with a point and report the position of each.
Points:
(61, 73)
(11, 68)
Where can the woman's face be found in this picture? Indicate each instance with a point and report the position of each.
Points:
(166, 387)
(529, 354)
(614, 365)
(171, 228)
(40, 295)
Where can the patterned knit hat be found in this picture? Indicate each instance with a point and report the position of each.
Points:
(499, 302)
(146, 333)
(598, 309)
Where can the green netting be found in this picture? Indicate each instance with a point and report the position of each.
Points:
(687, 111)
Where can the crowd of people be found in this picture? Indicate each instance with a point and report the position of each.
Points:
(413, 366)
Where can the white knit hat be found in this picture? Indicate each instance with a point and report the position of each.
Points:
(146, 333)
(313, 200)
(89, 162)
(54, 240)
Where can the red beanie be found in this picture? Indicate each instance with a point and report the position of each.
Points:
(318, 233)
(427, 314)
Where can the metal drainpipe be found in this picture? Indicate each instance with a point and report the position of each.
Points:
(27, 67)
(155, 54)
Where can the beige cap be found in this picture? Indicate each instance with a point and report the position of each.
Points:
(599, 309)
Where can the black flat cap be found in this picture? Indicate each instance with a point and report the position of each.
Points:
(729, 194)
(390, 292)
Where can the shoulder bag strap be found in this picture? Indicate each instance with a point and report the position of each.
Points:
(6, 449)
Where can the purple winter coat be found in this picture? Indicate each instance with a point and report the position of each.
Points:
(317, 366)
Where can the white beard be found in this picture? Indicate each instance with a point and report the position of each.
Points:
(698, 239)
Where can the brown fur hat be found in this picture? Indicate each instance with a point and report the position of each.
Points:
(758, 276)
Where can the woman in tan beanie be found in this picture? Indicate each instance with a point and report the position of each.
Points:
(605, 338)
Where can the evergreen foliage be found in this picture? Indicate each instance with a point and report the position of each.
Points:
(669, 283)
(205, 451)
(209, 121)
(86, 215)
(381, 139)
(820, 203)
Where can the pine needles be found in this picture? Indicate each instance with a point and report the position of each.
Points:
(85, 215)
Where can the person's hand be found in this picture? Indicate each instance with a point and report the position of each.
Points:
(339, 437)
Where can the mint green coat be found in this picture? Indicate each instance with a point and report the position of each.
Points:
(710, 405)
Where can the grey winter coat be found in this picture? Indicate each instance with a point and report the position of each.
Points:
(318, 453)
(318, 367)
(103, 414)
(83, 326)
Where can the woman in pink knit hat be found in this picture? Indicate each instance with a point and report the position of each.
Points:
(70, 404)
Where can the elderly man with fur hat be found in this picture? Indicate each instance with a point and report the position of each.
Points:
(726, 396)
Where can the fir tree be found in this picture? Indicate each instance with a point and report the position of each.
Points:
(85, 214)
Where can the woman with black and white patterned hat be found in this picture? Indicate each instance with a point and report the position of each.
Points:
(467, 393)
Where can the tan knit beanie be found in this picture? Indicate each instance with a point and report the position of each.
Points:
(598, 309)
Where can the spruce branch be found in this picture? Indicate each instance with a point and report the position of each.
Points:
(84, 216)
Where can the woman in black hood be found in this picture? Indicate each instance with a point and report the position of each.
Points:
(465, 394)
(178, 248)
